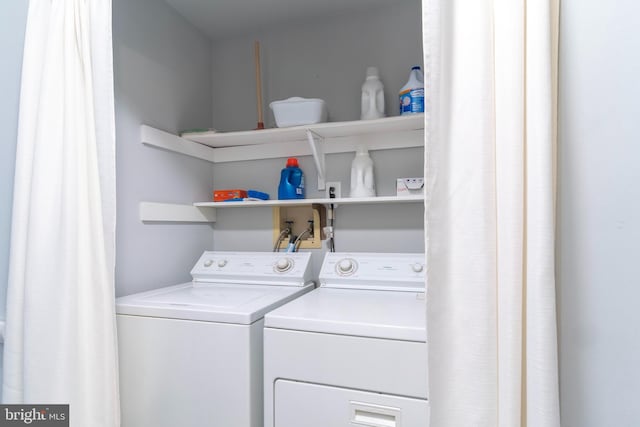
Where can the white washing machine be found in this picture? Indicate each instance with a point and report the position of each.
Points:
(191, 354)
(352, 352)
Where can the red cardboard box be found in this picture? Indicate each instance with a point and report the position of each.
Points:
(222, 195)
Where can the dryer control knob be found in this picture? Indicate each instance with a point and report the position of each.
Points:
(346, 266)
(417, 267)
(283, 264)
(222, 263)
(208, 263)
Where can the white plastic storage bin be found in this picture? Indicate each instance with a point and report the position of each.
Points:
(299, 111)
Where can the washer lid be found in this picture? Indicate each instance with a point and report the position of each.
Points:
(211, 302)
(396, 315)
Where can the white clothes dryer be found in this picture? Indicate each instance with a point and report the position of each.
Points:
(354, 351)
(191, 354)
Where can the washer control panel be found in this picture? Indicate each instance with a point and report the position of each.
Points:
(373, 271)
(284, 264)
(253, 267)
(346, 267)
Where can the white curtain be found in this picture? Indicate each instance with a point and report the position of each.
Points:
(60, 344)
(490, 217)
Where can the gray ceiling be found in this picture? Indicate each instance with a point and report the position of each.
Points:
(226, 18)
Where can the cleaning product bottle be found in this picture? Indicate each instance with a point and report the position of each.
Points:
(291, 181)
(372, 96)
(362, 181)
(412, 94)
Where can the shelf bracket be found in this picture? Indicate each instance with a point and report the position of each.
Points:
(317, 150)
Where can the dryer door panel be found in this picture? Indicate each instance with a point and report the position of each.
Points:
(313, 405)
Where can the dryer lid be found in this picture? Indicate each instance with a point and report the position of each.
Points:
(363, 313)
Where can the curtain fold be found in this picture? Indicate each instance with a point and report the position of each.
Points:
(490, 214)
(60, 344)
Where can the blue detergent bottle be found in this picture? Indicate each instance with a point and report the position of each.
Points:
(291, 181)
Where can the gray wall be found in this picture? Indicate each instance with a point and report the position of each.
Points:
(366, 228)
(599, 213)
(324, 58)
(163, 79)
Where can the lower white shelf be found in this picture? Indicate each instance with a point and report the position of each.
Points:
(206, 211)
(302, 202)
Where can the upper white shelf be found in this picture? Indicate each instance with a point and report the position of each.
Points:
(299, 133)
(336, 137)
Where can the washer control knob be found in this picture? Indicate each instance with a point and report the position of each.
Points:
(208, 263)
(222, 263)
(346, 267)
(417, 267)
(283, 264)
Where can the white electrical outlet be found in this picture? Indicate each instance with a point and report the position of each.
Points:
(337, 190)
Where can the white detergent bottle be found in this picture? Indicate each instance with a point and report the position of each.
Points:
(362, 181)
(412, 94)
(372, 96)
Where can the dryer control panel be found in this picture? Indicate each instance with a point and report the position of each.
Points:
(253, 268)
(392, 271)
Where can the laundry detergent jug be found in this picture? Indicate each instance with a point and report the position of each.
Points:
(362, 180)
(412, 94)
(291, 181)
